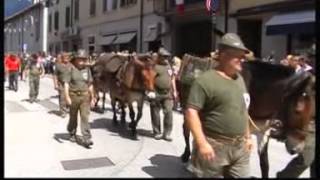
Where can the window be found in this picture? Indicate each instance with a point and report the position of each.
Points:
(105, 5)
(58, 48)
(114, 4)
(92, 7)
(76, 9)
(124, 3)
(91, 40)
(67, 17)
(56, 20)
(50, 22)
(109, 5)
(37, 29)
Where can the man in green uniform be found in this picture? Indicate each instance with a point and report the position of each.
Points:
(304, 159)
(61, 69)
(79, 93)
(216, 113)
(165, 88)
(34, 69)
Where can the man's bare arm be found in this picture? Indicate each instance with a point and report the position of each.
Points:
(66, 92)
(55, 81)
(194, 124)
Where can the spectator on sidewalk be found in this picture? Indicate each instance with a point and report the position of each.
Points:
(13, 66)
(35, 70)
(294, 63)
(286, 60)
(303, 62)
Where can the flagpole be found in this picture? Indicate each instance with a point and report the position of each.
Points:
(213, 21)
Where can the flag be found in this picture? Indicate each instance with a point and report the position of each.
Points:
(212, 5)
(180, 6)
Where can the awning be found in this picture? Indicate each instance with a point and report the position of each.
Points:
(292, 23)
(106, 40)
(152, 34)
(124, 38)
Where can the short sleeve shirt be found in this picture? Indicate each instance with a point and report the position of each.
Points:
(221, 103)
(163, 77)
(35, 67)
(79, 80)
(60, 71)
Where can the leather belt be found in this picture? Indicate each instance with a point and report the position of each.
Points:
(79, 93)
(223, 138)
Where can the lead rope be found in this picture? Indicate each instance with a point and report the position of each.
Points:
(253, 124)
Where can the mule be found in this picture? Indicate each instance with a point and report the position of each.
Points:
(276, 92)
(101, 78)
(132, 81)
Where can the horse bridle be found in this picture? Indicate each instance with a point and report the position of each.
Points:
(278, 131)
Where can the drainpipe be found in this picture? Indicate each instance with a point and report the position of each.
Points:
(213, 21)
(141, 25)
(226, 16)
(71, 22)
(45, 26)
(22, 27)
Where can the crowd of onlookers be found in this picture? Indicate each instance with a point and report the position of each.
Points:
(300, 63)
(15, 64)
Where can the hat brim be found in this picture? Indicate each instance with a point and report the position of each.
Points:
(243, 48)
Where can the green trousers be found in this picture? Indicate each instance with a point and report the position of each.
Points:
(34, 86)
(231, 160)
(80, 103)
(304, 159)
(62, 100)
(166, 104)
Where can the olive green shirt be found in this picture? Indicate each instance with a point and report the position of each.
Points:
(221, 104)
(79, 80)
(163, 78)
(35, 68)
(60, 71)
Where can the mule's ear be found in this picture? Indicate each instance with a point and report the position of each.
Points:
(298, 82)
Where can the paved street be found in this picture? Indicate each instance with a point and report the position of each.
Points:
(36, 143)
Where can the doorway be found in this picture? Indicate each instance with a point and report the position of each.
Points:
(250, 33)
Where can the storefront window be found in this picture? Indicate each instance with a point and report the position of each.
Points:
(302, 43)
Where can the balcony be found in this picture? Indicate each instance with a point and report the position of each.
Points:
(71, 32)
(168, 7)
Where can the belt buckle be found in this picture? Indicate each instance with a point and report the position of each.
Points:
(78, 93)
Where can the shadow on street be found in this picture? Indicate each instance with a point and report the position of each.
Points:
(61, 136)
(166, 166)
(100, 110)
(54, 97)
(55, 112)
(118, 129)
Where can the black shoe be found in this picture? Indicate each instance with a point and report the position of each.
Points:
(87, 143)
(157, 136)
(167, 138)
(72, 138)
(90, 142)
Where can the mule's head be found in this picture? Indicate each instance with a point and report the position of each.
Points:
(299, 111)
(147, 71)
